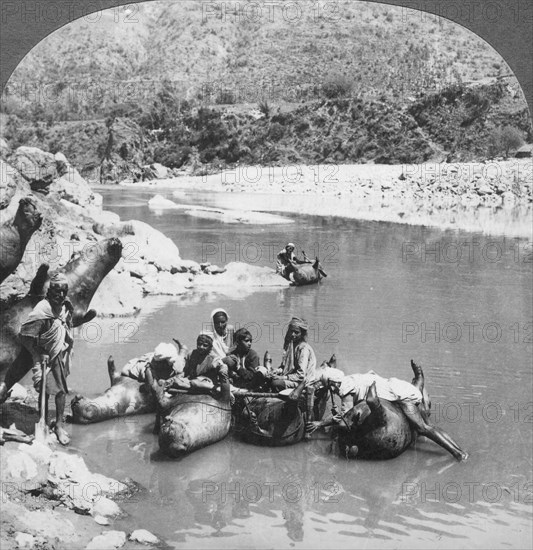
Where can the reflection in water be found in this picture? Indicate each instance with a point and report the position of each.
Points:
(305, 495)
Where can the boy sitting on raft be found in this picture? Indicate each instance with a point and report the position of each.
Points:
(244, 364)
(203, 369)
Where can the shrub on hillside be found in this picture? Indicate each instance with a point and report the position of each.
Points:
(171, 156)
(504, 140)
(337, 86)
(276, 131)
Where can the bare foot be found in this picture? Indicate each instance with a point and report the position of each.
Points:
(462, 456)
(61, 434)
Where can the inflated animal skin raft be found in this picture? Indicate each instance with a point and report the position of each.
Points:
(84, 275)
(191, 421)
(378, 429)
(273, 421)
(307, 274)
(125, 397)
(385, 433)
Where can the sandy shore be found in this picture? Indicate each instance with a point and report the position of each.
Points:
(494, 197)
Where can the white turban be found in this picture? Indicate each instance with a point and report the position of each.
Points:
(219, 310)
(329, 374)
(166, 352)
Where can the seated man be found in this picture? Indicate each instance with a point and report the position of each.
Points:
(203, 369)
(244, 363)
(299, 360)
(163, 362)
(286, 259)
(355, 388)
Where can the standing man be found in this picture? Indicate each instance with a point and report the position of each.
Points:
(46, 334)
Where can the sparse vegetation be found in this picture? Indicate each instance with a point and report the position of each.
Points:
(506, 139)
(183, 95)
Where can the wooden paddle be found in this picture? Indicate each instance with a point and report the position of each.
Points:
(41, 429)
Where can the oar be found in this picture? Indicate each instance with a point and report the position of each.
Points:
(262, 394)
(175, 391)
(41, 429)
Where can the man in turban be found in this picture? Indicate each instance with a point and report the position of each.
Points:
(163, 361)
(46, 334)
(372, 387)
(286, 259)
(299, 360)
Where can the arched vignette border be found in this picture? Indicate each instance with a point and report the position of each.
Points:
(507, 25)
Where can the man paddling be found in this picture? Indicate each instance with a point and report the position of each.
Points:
(287, 259)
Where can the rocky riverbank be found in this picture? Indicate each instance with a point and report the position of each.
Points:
(493, 197)
(50, 499)
(74, 222)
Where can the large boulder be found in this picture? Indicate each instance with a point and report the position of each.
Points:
(107, 541)
(122, 154)
(155, 171)
(37, 167)
(149, 244)
(5, 150)
(119, 294)
(73, 188)
(10, 182)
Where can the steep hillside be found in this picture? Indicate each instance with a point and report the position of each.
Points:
(86, 67)
(198, 86)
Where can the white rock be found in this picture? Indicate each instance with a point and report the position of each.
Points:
(118, 294)
(98, 199)
(18, 392)
(241, 275)
(66, 470)
(60, 157)
(164, 283)
(160, 171)
(101, 520)
(149, 244)
(107, 541)
(105, 507)
(39, 452)
(19, 465)
(158, 202)
(105, 217)
(484, 190)
(24, 540)
(143, 536)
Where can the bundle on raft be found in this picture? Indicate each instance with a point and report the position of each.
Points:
(191, 421)
(273, 420)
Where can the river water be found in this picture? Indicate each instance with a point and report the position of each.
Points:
(458, 303)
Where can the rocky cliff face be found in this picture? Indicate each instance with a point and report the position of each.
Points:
(73, 221)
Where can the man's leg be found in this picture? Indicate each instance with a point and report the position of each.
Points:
(59, 429)
(437, 435)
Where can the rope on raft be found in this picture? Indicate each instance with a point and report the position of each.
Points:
(175, 391)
